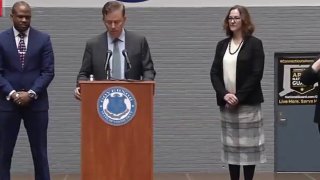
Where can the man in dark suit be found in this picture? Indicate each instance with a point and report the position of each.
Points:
(310, 76)
(26, 70)
(116, 39)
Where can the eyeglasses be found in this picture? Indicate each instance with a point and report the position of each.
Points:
(234, 18)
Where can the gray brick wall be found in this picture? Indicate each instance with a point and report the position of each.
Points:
(182, 42)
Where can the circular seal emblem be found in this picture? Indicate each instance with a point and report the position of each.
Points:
(116, 106)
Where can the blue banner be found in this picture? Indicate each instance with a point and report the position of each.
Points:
(132, 1)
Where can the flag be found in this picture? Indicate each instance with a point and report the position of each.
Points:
(1, 8)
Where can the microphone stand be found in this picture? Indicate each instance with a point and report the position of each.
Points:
(107, 64)
(128, 64)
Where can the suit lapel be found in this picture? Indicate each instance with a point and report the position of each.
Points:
(224, 47)
(104, 43)
(129, 47)
(128, 42)
(102, 51)
(13, 48)
(31, 39)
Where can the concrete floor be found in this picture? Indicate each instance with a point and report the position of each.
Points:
(194, 176)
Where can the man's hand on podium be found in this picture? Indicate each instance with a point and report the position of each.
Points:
(77, 94)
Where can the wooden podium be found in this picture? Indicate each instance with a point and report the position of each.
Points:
(123, 152)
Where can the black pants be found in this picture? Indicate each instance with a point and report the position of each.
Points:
(248, 172)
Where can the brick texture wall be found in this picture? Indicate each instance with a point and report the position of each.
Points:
(182, 42)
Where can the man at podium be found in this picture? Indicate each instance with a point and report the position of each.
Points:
(117, 54)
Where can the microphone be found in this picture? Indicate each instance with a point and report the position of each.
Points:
(107, 64)
(126, 58)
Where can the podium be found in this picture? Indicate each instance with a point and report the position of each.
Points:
(118, 151)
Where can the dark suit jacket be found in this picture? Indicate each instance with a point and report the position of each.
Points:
(309, 77)
(250, 64)
(94, 58)
(37, 73)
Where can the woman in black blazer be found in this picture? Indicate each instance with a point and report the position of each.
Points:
(236, 75)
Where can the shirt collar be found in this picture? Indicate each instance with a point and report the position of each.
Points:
(121, 37)
(16, 32)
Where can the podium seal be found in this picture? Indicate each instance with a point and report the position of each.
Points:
(116, 106)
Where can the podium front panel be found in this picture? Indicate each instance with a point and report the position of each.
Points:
(122, 152)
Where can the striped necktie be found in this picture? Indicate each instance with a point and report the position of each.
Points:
(22, 48)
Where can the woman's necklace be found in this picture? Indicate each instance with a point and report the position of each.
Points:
(232, 53)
